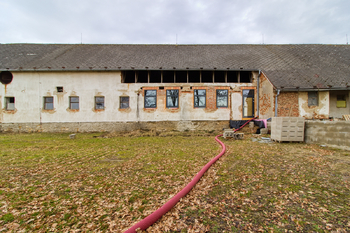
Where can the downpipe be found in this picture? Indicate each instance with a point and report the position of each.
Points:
(152, 218)
(276, 103)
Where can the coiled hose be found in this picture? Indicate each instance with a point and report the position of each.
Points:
(152, 218)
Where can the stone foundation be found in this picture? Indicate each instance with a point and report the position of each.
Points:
(85, 127)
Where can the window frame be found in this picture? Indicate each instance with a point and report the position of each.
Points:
(197, 95)
(74, 102)
(46, 102)
(121, 102)
(244, 97)
(312, 100)
(219, 95)
(7, 102)
(149, 97)
(173, 95)
(99, 102)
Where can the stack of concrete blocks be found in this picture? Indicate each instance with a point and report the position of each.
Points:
(230, 133)
(287, 129)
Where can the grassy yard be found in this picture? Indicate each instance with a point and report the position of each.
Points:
(50, 183)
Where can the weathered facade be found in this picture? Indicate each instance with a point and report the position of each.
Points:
(125, 87)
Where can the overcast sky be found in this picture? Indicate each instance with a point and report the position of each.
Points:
(175, 21)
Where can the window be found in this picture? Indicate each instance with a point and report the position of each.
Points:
(172, 98)
(99, 102)
(222, 98)
(48, 103)
(59, 89)
(341, 101)
(74, 102)
(199, 98)
(312, 98)
(124, 102)
(6, 77)
(10, 103)
(150, 98)
(248, 103)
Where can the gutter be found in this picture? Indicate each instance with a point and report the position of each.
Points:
(257, 102)
(276, 102)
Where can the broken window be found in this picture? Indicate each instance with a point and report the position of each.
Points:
(312, 98)
(222, 98)
(48, 103)
(74, 102)
(248, 103)
(341, 101)
(150, 98)
(199, 98)
(99, 102)
(124, 102)
(245, 77)
(172, 98)
(10, 103)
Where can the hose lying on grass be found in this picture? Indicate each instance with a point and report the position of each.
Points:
(152, 218)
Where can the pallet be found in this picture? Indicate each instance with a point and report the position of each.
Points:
(346, 117)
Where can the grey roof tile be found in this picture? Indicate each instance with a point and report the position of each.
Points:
(289, 66)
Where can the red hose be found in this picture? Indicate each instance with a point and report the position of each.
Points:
(245, 124)
(152, 218)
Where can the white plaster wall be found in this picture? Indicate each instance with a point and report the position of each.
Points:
(29, 88)
(320, 111)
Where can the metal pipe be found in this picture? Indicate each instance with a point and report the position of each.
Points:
(257, 90)
(276, 104)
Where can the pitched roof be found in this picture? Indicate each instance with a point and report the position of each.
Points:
(288, 66)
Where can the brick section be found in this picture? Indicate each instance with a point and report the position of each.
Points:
(288, 104)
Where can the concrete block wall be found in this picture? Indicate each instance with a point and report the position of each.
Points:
(334, 133)
(86, 127)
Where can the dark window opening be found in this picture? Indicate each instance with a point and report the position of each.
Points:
(312, 98)
(172, 98)
(155, 76)
(6, 77)
(10, 103)
(207, 76)
(245, 77)
(232, 77)
(124, 102)
(194, 76)
(199, 98)
(48, 103)
(74, 102)
(128, 77)
(181, 76)
(150, 98)
(99, 102)
(168, 76)
(248, 103)
(220, 76)
(59, 89)
(142, 76)
(222, 98)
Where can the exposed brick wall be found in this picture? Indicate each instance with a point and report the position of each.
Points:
(288, 104)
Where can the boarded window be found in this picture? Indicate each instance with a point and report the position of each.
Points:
(312, 98)
(150, 98)
(248, 103)
(341, 101)
(199, 98)
(10, 103)
(74, 102)
(172, 98)
(99, 102)
(48, 103)
(124, 102)
(221, 98)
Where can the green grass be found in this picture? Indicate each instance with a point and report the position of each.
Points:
(50, 183)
